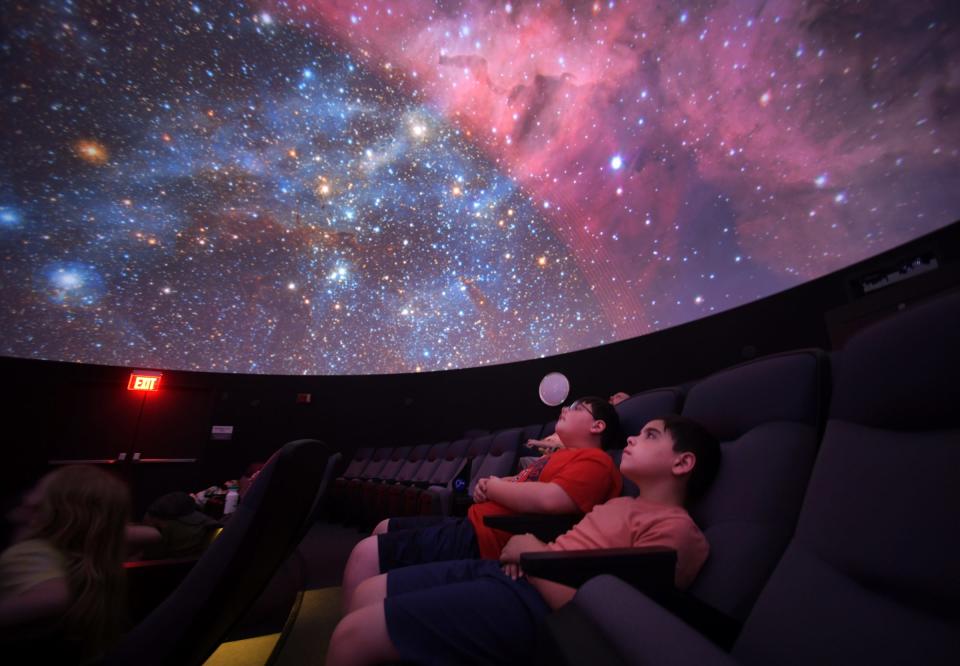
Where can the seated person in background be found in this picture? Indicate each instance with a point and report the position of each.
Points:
(62, 582)
(546, 445)
(184, 531)
(571, 480)
(618, 397)
(212, 500)
(488, 612)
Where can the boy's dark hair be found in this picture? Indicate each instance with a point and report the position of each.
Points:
(688, 435)
(602, 410)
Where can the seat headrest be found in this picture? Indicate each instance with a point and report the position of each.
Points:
(507, 440)
(480, 445)
(637, 410)
(457, 449)
(437, 450)
(917, 384)
(780, 387)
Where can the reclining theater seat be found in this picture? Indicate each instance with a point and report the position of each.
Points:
(360, 459)
(501, 457)
(368, 489)
(531, 431)
(396, 495)
(637, 410)
(266, 527)
(443, 474)
(376, 504)
(870, 575)
(768, 415)
(350, 508)
(438, 499)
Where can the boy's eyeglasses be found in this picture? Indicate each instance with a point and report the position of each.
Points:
(578, 405)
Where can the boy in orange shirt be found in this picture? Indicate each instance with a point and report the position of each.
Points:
(483, 611)
(570, 480)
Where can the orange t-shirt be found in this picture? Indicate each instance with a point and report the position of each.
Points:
(627, 522)
(588, 476)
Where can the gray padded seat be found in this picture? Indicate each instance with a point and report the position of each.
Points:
(640, 408)
(350, 497)
(443, 474)
(501, 457)
(360, 459)
(338, 489)
(370, 489)
(379, 460)
(870, 575)
(439, 499)
(378, 502)
(768, 414)
(396, 495)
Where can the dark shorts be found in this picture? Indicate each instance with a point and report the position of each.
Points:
(462, 612)
(414, 522)
(434, 539)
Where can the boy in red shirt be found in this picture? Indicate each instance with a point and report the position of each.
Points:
(571, 480)
(478, 611)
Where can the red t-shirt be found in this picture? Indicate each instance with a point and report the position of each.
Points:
(588, 476)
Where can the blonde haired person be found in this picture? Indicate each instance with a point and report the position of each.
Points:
(62, 583)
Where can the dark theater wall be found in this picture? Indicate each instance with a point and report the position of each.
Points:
(60, 411)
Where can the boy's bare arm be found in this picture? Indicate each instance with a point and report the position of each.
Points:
(532, 497)
(519, 544)
(555, 594)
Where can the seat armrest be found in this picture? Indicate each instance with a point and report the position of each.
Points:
(545, 527)
(590, 629)
(648, 569)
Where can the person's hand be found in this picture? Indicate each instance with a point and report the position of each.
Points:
(492, 482)
(513, 570)
(618, 397)
(547, 444)
(480, 490)
(518, 545)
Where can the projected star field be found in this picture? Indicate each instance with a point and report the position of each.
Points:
(332, 187)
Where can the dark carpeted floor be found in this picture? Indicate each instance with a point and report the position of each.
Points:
(325, 549)
(318, 562)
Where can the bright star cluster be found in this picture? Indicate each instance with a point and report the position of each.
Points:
(334, 187)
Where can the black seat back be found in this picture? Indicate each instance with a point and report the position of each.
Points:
(266, 527)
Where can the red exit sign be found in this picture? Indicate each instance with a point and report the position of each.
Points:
(144, 381)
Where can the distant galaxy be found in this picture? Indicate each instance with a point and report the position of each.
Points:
(333, 187)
